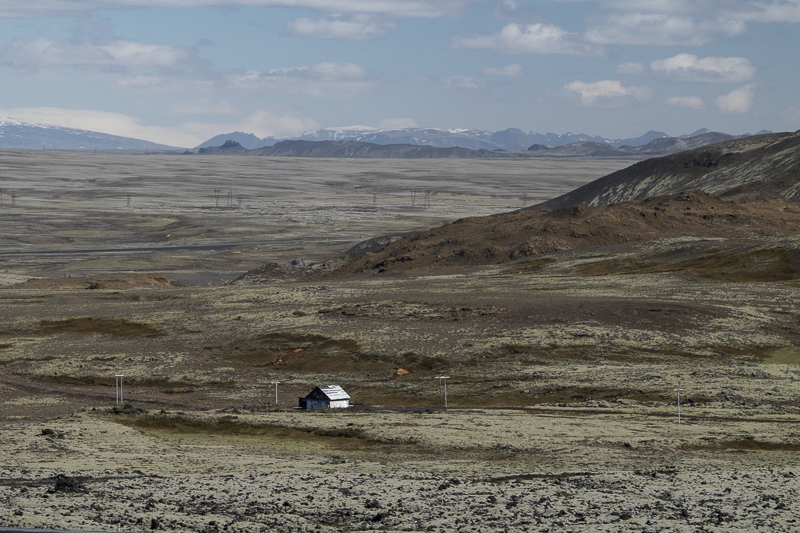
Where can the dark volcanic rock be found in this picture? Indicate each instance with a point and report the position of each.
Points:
(66, 484)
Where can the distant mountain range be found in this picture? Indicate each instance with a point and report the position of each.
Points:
(20, 134)
(360, 149)
(511, 139)
(355, 149)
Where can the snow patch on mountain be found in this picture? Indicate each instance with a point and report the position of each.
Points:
(21, 134)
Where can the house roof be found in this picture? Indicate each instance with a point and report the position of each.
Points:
(334, 392)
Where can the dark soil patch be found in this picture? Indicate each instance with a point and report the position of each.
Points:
(488, 395)
(165, 386)
(596, 314)
(102, 282)
(81, 381)
(758, 265)
(67, 484)
(412, 361)
(562, 395)
(529, 267)
(223, 426)
(748, 444)
(303, 352)
(118, 327)
(229, 426)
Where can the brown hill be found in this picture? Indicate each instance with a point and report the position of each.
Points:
(760, 166)
(502, 238)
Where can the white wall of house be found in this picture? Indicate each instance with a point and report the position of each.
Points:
(339, 403)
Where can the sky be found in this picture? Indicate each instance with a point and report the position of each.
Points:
(179, 72)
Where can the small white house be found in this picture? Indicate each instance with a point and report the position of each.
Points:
(332, 396)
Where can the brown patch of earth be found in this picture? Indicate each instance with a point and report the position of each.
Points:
(100, 281)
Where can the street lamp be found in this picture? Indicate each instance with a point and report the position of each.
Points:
(442, 379)
(118, 387)
(679, 404)
(276, 391)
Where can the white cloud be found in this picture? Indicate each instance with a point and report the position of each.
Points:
(47, 52)
(608, 93)
(724, 11)
(737, 101)
(357, 28)
(684, 22)
(687, 67)
(397, 123)
(463, 82)
(270, 123)
(520, 11)
(321, 80)
(652, 6)
(527, 39)
(402, 8)
(638, 29)
(264, 123)
(155, 83)
(184, 81)
(630, 68)
(689, 102)
(130, 53)
(510, 71)
(205, 106)
(775, 11)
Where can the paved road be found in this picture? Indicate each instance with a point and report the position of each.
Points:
(23, 251)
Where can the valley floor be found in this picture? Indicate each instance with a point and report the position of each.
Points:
(562, 406)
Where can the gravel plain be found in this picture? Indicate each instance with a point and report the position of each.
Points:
(593, 468)
(562, 405)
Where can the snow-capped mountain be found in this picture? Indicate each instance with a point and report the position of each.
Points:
(36, 136)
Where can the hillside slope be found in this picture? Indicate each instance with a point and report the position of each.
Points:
(502, 238)
(765, 166)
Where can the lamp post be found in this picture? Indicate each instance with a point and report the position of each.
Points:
(442, 379)
(276, 392)
(679, 404)
(118, 387)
